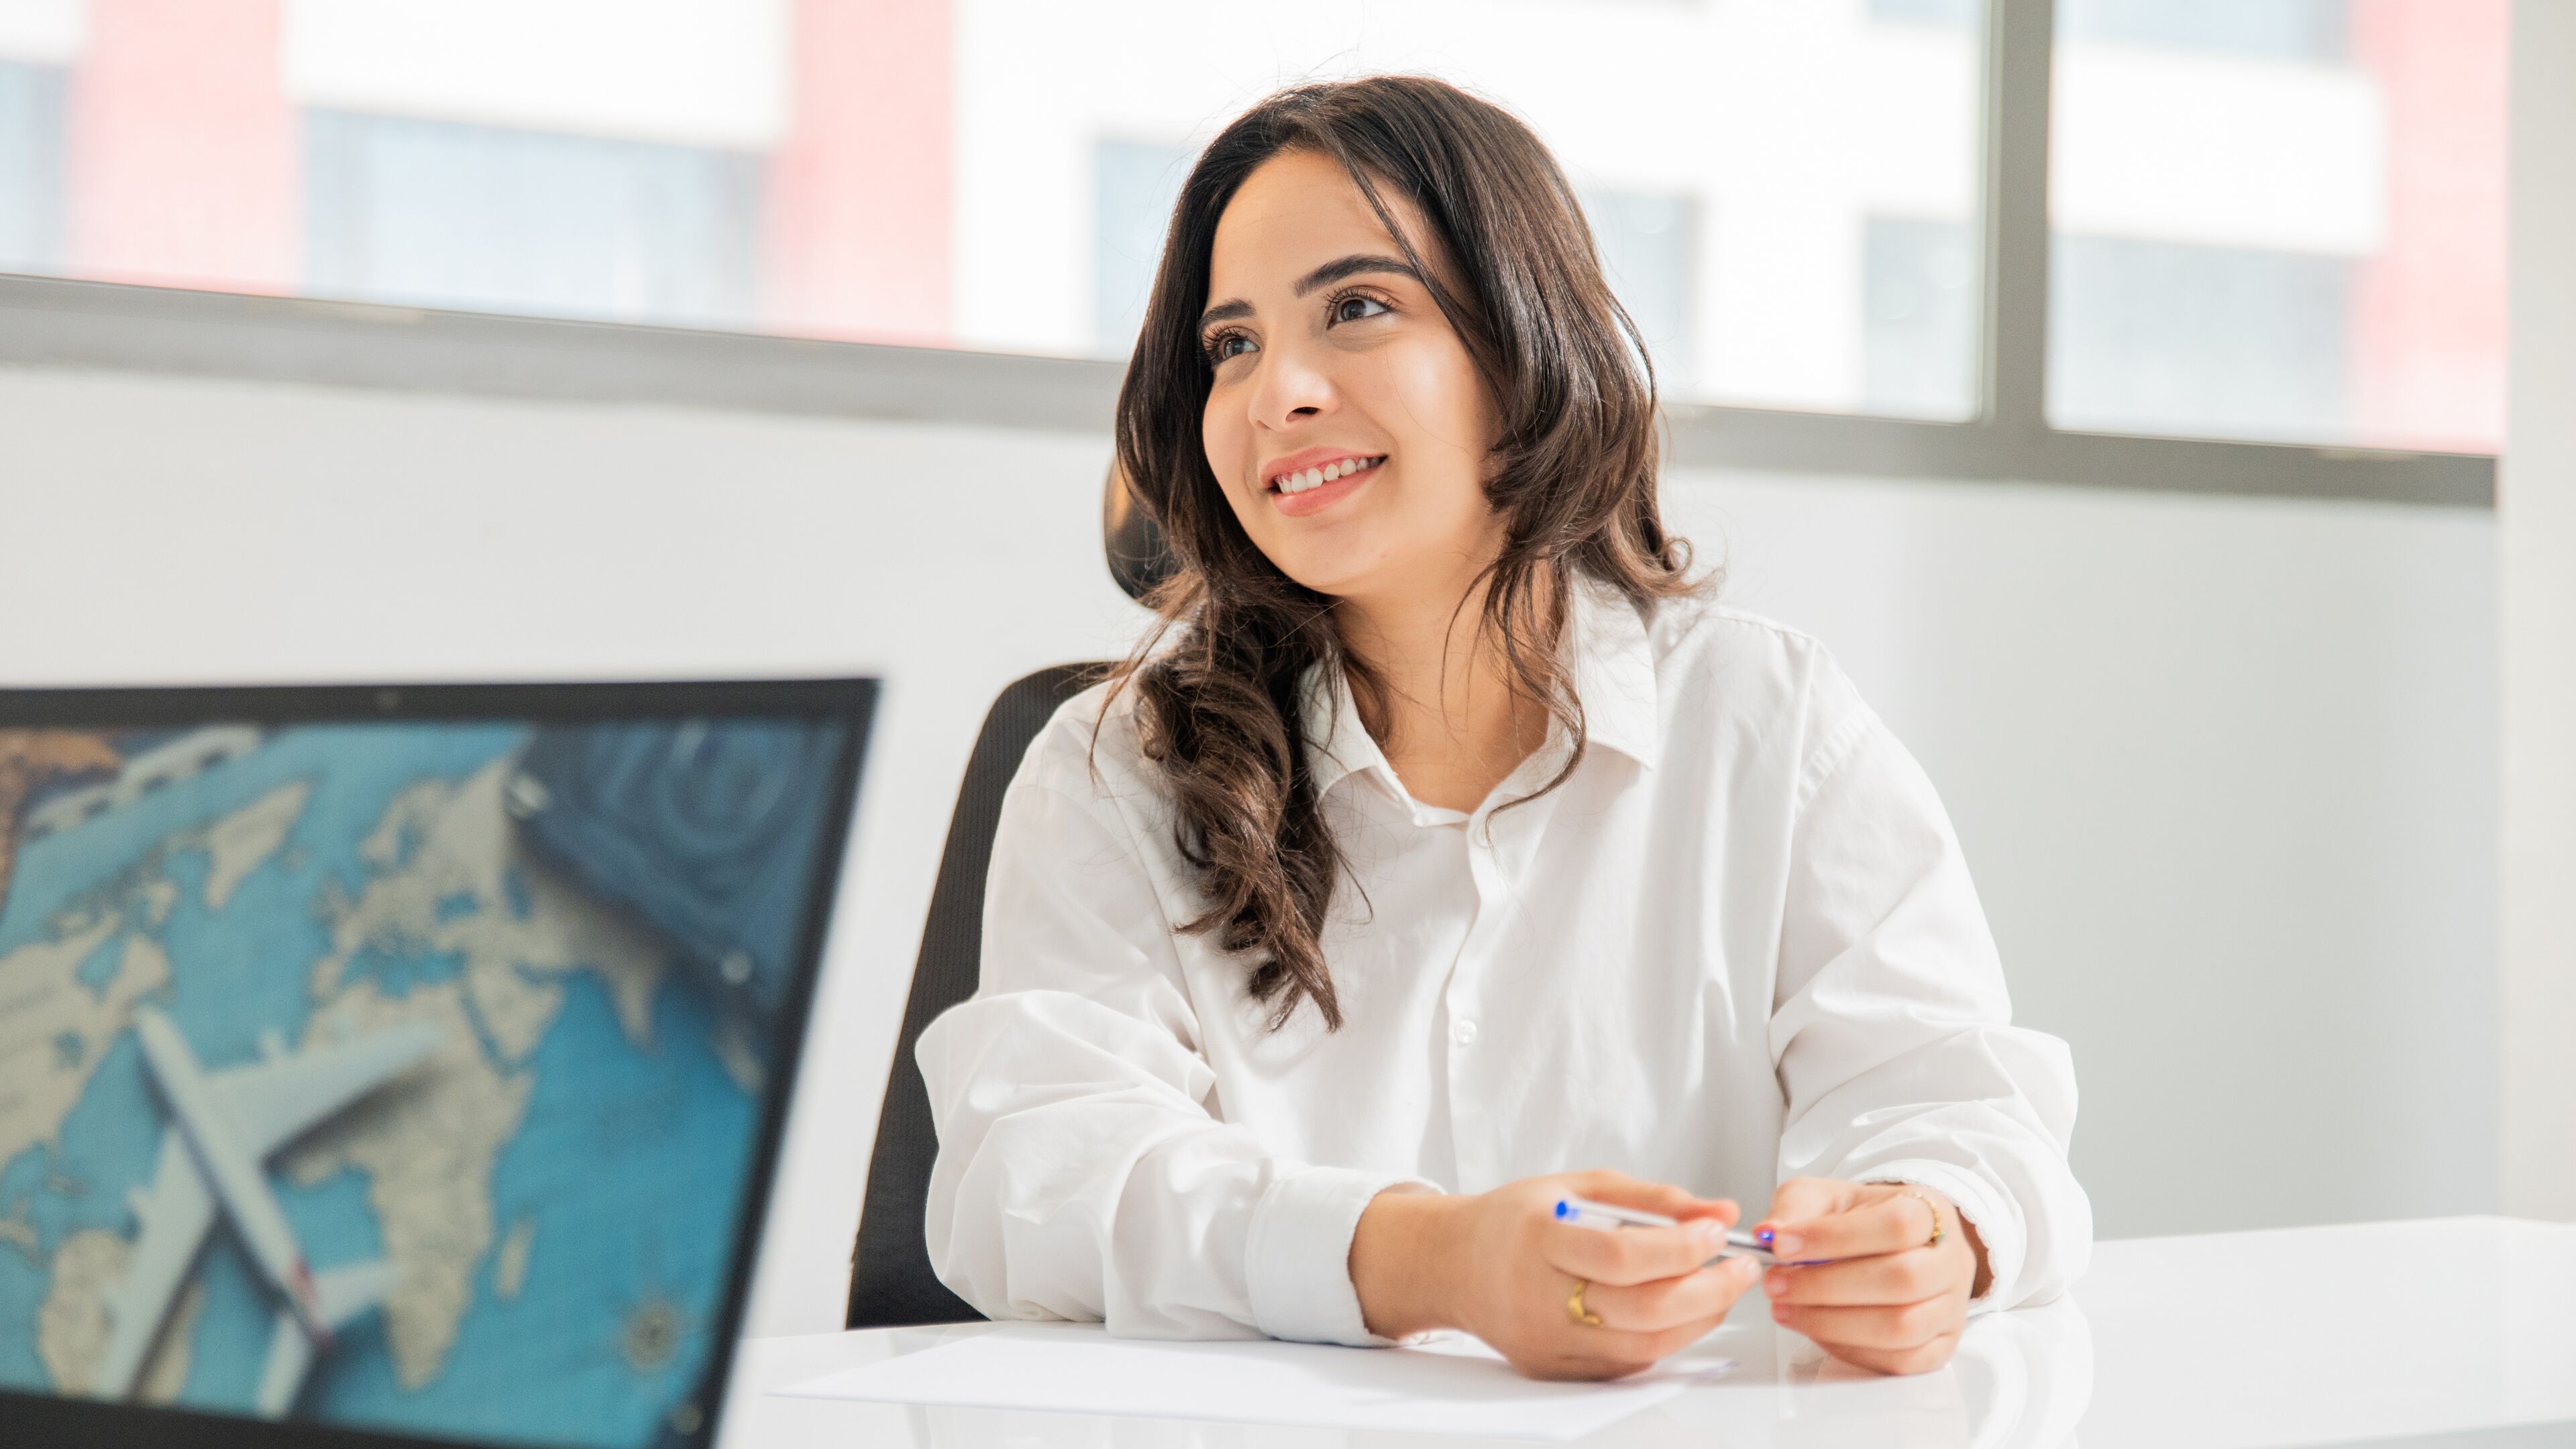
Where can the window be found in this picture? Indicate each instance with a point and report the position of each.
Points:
(2276, 221)
(2280, 220)
(988, 174)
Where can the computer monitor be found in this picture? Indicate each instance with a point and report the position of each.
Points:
(403, 1064)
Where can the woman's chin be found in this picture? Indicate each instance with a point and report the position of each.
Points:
(1337, 561)
(1336, 578)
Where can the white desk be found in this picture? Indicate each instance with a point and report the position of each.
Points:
(2226, 1341)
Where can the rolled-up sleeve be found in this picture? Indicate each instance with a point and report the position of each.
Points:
(1891, 1030)
(1083, 1172)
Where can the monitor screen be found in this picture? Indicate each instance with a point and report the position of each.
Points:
(399, 1075)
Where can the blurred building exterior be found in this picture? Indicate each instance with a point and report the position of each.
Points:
(2275, 219)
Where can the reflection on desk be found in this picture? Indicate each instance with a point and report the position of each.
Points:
(2020, 1380)
(2303, 1336)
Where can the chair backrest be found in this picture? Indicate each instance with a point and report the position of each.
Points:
(890, 1279)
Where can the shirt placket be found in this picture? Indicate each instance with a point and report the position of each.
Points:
(1482, 1026)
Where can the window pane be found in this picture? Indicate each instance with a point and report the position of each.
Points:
(2280, 220)
(1649, 248)
(1778, 188)
(1922, 300)
(31, 170)
(1135, 185)
(482, 217)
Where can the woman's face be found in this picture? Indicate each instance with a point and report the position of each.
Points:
(1345, 421)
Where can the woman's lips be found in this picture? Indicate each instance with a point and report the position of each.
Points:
(1296, 498)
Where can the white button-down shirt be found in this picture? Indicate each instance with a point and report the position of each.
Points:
(1738, 944)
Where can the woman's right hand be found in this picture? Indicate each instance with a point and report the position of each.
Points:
(1500, 1266)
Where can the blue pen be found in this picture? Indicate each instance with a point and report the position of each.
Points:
(1585, 1213)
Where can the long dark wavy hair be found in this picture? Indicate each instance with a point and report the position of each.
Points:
(1572, 476)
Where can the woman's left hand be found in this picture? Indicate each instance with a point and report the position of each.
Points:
(1892, 1299)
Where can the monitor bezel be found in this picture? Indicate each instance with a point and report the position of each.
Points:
(54, 1419)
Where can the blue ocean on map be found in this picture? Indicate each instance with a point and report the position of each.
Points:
(556, 1193)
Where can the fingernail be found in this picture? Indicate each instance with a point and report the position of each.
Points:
(1779, 1312)
(1776, 1283)
(1782, 1242)
(1710, 1233)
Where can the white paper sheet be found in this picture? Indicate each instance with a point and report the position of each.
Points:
(1454, 1386)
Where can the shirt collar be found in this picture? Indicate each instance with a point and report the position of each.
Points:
(1337, 744)
(1613, 668)
(1614, 671)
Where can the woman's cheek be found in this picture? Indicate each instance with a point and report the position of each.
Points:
(1434, 387)
(1228, 446)
(1221, 439)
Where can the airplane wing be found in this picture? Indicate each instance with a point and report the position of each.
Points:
(269, 1104)
(173, 1217)
(348, 1292)
(345, 1293)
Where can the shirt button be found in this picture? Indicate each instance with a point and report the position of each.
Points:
(1463, 1032)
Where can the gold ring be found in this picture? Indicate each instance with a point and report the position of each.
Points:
(1575, 1310)
(1938, 1227)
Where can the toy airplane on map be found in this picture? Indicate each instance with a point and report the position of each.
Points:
(224, 1126)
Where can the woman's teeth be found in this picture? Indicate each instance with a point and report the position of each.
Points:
(1318, 477)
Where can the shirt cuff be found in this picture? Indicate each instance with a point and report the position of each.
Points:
(1297, 1255)
(1997, 1218)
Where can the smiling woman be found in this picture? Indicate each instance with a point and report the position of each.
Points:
(1313, 310)
(1448, 852)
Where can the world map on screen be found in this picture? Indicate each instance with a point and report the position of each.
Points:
(528, 1206)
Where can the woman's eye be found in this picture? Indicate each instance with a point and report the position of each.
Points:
(1227, 345)
(1354, 309)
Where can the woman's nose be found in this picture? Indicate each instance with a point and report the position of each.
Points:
(1292, 389)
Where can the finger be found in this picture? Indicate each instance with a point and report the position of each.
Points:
(1800, 1199)
(1605, 1353)
(1921, 1359)
(1908, 1326)
(1672, 1302)
(1629, 1255)
(1888, 1224)
(1621, 1190)
(1907, 1277)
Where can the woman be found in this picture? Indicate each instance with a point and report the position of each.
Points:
(1450, 851)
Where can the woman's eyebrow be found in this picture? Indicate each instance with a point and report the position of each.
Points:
(1224, 312)
(1352, 266)
(1323, 276)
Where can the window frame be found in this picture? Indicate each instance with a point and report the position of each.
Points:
(54, 322)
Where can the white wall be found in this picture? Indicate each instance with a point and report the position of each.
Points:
(2536, 513)
(2225, 768)
(2224, 774)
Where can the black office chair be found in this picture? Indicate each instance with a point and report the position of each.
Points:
(890, 1279)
